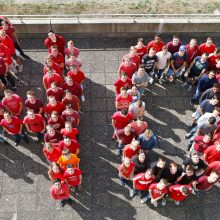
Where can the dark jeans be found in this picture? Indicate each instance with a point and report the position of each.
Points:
(66, 201)
(18, 137)
(17, 46)
(160, 73)
(40, 135)
(10, 79)
(124, 181)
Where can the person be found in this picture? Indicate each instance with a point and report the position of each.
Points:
(141, 183)
(212, 153)
(68, 158)
(215, 165)
(132, 149)
(13, 126)
(72, 60)
(140, 79)
(12, 102)
(3, 70)
(52, 136)
(179, 192)
(139, 126)
(55, 91)
(133, 56)
(126, 170)
(137, 109)
(55, 39)
(197, 164)
(150, 62)
(124, 137)
(177, 64)
(158, 166)
(70, 144)
(56, 121)
(34, 103)
(53, 105)
(207, 47)
(127, 67)
(163, 63)
(147, 140)
(35, 123)
(51, 153)
(69, 131)
(71, 49)
(209, 93)
(156, 192)
(122, 82)
(195, 71)
(174, 45)
(71, 116)
(55, 172)
(141, 48)
(123, 100)
(156, 43)
(70, 99)
(51, 66)
(73, 177)
(192, 51)
(141, 162)
(60, 191)
(135, 94)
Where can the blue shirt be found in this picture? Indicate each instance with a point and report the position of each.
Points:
(205, 83)
(178, 60)
(147, 144)
(199, 66)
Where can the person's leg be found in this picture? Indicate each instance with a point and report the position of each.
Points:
(39, 136)
(133, 192)
(25, 137)
(120, 148)
(123, 181)
(18, 48)
(4, 81)
(82, 96)
(11, 79)
(144, 199)
(17, 139)
(169, 73)
(196, 96)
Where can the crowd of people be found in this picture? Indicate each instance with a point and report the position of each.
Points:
(55, 122)
(193, 66)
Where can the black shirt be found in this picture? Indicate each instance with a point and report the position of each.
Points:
(187, 179)
(198, 166)
(149, 62)
(140, 167)
(156, 170)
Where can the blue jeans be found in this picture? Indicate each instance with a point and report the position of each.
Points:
(170, 73)
(141, 90)
(121, 146)
(124, 181)
(18, 137)
(197, 95)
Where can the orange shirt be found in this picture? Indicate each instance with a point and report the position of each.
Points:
(74, 160)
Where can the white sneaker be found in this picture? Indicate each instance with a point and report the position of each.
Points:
(20, 68)
(184, 85)
(189, 89)
(193, 114)
(151, 80)
(83, 98)
(160, 81)
(145, 199)
(177, 202)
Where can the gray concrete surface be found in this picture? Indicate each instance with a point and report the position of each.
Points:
(24, 185)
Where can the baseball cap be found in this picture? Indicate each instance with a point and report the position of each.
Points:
(182, 48)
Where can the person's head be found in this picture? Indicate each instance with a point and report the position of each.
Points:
(211, 74)
(189, 170)
(49, 71)
(195, 158)
(152, 51)
(54, 167)
(57, 183)
(123, 92)
(7, 116)
(140, 120)
(141, 70)
(213, 177)
(124, 77)
(149, 174)
(148, 134)
(134, 144)
(217, 145)
(126, 162)
(69, 80)
(52, 100)
(124, 112)
(69, 109)
(175, 40)
(73, 69)
(50, 130)
(66, 153)
(70, 44)
(8, 93)
(185, 190)
(162, 184)
(51, 35)
(66, 140)
(161, 162)
(31, 96)
(54, 50)
(164, 49)
(216, 112)
(54, 116)
(140, 42)
(70, 169)
(217, 51)
(209, 41)
(48, 147)
(211, 121)
(133, 50)
(49, 61)
(4, 25)
(182, 50)
(157, 38)
(139, 103)
(134, 89)
(127, 61)
(73, 56)
(215, 99)
(31, 114)
(2, 34)
(173, 167)
(68, 126)
(127, 130)
(68, 94)
(193, 42)
(204, 57)
(141, 156)
(207, 138)
(216, 87)
(54, 86)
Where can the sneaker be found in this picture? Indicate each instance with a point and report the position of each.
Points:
(118, 152)
(132, 193)
(184, 85)
(177, 202)
(151, 80)
(189, 89)
(122, 183)
(145, 199)
(160, 81)
(188, 135)
(156, 205)
(189, 146)
(83, 98)
(164, 202)
(20, 68)
(16, 144)
(62, 203)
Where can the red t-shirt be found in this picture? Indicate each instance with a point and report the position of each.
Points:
(134, 58)
(139, 129)
(60, 194)
(74, 102)
(158, 46)
(2, 66)
(203, 183)
(204, 49)
(71, 135)
(124, 138)
(141, 51)
(130, 70)
(73, 179)
(75, 51)
(55, 78)
(55, 139)
(55, 68)
(200, 145)
(73, 118)
(13, 104)
(141, 183)
(73, 147)
(79, 77)
(8, 42)
(75, 89)
(59, 59)
(54, 176)
(119, 84)
(35, 106)
(36, 124)
(157, 192)
(57, 94)
(213, 166)
(57, 125)
(59, 108)
(191, 53)
(60, 43)
(212, 60)
(126, 171)
(54, 155)
(128, 152)
(14, 126)
(120, 120)
(212, 154)
(123, 102)
(6, 53)
(176, 194)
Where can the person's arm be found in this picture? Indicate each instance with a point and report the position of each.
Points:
(20, 130)
(20, 108)
(27, 127)
(158, 198)
(44, 126)
(191, 65)
(180, 177)
(41, 110)
(172, 65)
(77, 122)
(6, 130)
(77, 152)
(6, 69)
(113, 123)
(184, 64)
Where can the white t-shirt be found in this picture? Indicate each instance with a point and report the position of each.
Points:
(162, 59)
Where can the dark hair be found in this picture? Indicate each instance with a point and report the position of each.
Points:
(124, 111)
(50, 31)
(216, 85)
(212, 120)
(189, 167)
(173, 164)
(141, 40)
(57, 181)
(162, 159)
(69, 166)
(185, 190)
(140, 118)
